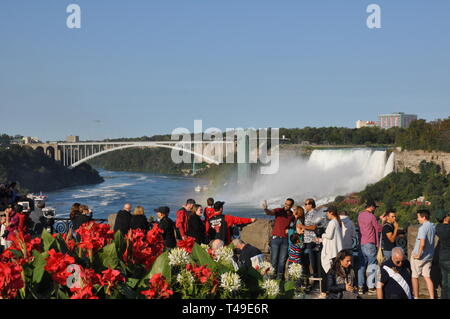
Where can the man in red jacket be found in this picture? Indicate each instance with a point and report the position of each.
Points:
(218, 225)
(209, 210)
(182, 218)
(279, 243)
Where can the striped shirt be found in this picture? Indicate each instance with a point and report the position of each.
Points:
(294, 254)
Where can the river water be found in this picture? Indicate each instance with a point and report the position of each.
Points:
(145, 189)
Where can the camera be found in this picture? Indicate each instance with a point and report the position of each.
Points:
(25, 206)
(48, 218)
(48, 212)
(321, 221)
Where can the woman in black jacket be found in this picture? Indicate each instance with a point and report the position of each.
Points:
(341, 277)
(196, 226)
(167, 226)
(138, 220)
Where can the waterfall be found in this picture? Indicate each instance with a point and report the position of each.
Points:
(389, 164)
(323, 176)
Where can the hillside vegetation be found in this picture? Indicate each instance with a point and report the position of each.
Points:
(399, 190)
(34, 171)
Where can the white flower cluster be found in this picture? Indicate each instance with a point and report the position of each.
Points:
(271, 287)
(295, 271)
(185, 278)
(266, 269)
(178, 257)
(230, 281)
(205, 247)
(223, 254)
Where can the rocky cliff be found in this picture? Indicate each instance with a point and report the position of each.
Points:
(412, 159)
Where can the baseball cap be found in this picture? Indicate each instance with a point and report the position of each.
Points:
(163, 209)
(218, 205)
(331, 209)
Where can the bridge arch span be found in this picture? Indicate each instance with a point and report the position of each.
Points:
(206, 158)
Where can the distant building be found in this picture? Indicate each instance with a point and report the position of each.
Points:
(30, 140)
(399, 119)
(360, 124)
(72, 139)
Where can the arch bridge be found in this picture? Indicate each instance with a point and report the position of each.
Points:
(73, 154)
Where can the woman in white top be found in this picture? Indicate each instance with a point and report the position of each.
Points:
(331, 239)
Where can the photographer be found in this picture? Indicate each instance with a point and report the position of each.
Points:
(246, 252)
(12, 225)
(36, 219)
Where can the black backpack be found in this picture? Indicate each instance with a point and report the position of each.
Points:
(218, 228)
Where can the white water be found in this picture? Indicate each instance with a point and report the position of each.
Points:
(325, 175)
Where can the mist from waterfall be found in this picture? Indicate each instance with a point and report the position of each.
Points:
(323, 176)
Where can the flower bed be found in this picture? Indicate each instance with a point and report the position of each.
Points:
(101, 264)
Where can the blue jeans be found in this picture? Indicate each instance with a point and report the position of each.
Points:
(279, 255)
(311, 258)
(367, 259)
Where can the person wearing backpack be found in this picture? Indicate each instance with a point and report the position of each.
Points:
(218, 225)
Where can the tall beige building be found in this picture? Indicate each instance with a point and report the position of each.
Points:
(72, 139)
(398, 119)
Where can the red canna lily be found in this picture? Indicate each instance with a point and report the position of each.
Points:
(83, 293)
(94, 235)
(57, 266)
(10, 280)
(111, 278)
(203, 273)
(158, 288)
(187, 244)
(144, 249)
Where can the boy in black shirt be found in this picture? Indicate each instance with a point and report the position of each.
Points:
(389, 233)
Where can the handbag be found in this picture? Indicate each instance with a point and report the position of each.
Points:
(380, 254)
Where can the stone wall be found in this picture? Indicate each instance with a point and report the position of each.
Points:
(112, 220)
(258, 234)
(412, 159)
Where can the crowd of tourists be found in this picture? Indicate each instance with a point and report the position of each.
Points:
(12, 215)
(326, 251)
(327, 254)
(204, 224)
(382, 268)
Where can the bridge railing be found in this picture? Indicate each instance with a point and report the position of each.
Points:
(62, 225)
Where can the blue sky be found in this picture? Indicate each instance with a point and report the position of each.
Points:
(145, 67)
